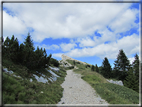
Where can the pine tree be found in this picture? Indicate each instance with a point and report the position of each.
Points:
(130, 80)
(14, 49)
(121, 65)
(21, 53)
(74, 62)
(28, 42)
(29, 51)
(2, 45)
(106, 68)
(97, 69)
(135, 66)
(6, 51)
(2, 40)
(92, 68)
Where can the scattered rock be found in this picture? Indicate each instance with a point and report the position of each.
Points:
(31, 80)
(115, 82)
(54, 68)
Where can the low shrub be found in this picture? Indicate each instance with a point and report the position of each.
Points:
(54, 62)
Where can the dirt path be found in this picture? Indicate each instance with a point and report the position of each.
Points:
(77, 91)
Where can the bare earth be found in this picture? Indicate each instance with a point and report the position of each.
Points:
(78, 91)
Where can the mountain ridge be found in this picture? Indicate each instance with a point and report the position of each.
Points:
(65, 57)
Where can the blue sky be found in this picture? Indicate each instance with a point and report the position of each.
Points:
(88, 32)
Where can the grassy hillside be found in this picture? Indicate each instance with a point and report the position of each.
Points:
(112, 93)
(19, 90)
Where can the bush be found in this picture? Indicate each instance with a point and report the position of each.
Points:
(78, 62)
(88, 66)
(71, 67)
(54, 62)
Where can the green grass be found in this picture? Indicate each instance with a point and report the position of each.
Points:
(70, 61)
(116, 94)
(22, 91)
(112, 93)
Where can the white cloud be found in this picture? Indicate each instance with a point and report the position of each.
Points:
(69, 20)
(50, 47)
(106, 35)
(76, 21)
(125, 21)
(13, 26)
(67, 47)
(130, 45)
(57, 55)
(85, 42)
(131, 60)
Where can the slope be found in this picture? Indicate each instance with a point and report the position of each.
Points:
(22, 86)
(112, 93)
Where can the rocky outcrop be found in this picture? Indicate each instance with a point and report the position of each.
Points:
(64, 58)
(115, 82)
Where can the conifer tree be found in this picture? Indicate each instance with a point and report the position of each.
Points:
(28, 42)
(6, 47)
(92, 68)
(28, 50)
(97, 69)
(121, 65)
(130, 80)
(14, 50)
(2, 45)
(135, 66)
(106, 68)
(74, 62)
(21, 53)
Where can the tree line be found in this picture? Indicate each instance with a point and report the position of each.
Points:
(123, 70)
(25, 53)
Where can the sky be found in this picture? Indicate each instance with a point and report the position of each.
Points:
(88, 32)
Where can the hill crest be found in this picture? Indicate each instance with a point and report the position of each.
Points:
(64, 58)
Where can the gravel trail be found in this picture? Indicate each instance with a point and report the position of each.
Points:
(78, 91)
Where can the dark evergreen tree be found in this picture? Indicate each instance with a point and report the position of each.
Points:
(25, 54)
(100, 68)
(29, 51)
(135, 66)
(2, 45)
(45, 57)
(106, 68)
(21, 53)
(92, 68)
(121, 66)
(28, 42)
(97, 69)
(2, 40)
(54, 62)
(74, 62)
(130, 80)
(6, 47)
(14, 49)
